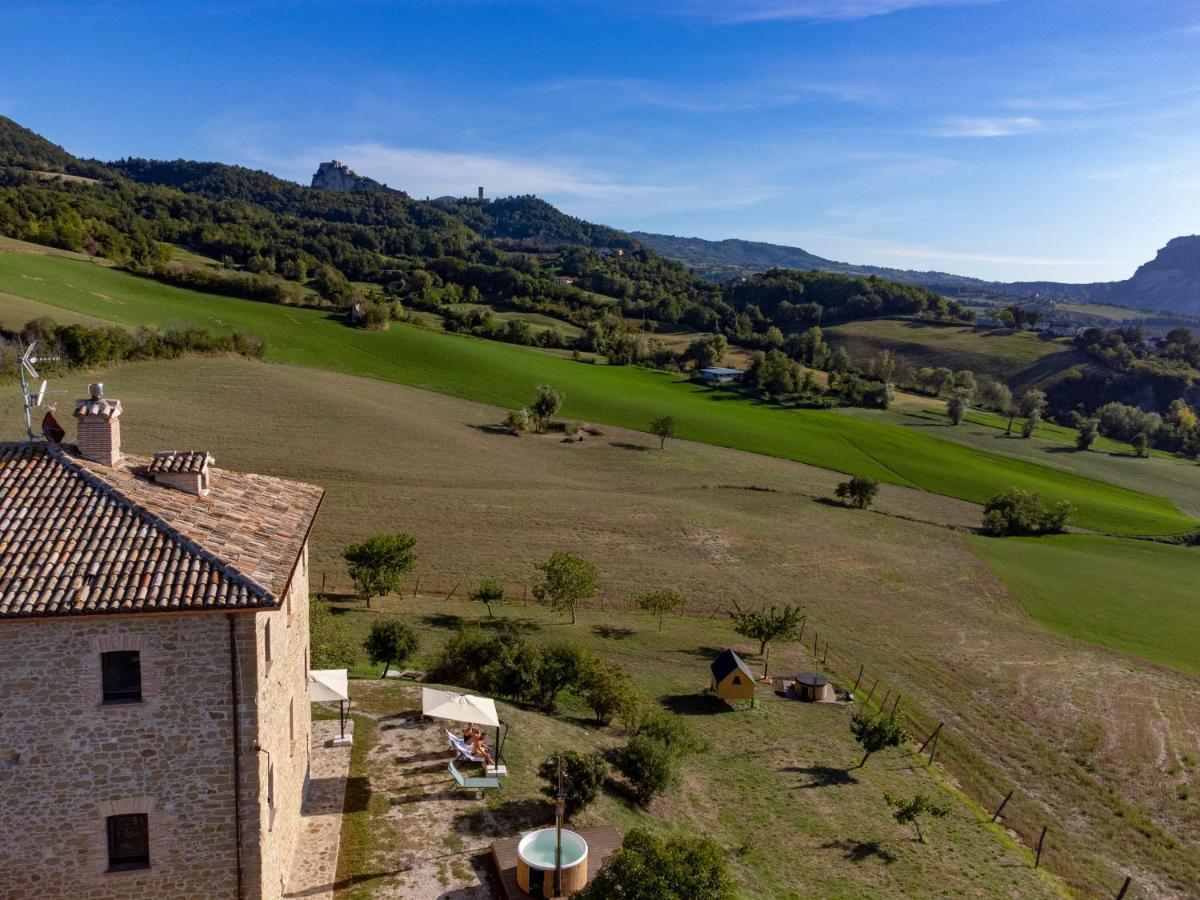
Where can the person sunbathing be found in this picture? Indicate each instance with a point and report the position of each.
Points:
(474, 737)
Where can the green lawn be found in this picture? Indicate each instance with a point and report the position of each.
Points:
(1135, 596)
(506, 375)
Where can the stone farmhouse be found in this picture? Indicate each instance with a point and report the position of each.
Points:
(153, 670)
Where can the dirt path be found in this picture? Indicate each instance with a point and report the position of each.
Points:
(437, 846)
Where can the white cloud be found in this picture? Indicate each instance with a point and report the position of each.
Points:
(769, 93)
(818, 10)
(989, 126)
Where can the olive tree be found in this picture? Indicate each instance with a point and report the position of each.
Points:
(390, 642)
(876, 732)
(567, 579)
(378, 564)
(661, 602)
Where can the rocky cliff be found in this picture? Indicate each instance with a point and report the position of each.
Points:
(335, 175)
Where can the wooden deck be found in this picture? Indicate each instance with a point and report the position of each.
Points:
(601, 841)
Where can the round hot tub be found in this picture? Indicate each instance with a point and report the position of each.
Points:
(535, 863)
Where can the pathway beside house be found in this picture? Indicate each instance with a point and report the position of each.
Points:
(314, 869)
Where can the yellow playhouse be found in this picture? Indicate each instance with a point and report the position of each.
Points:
(732, 678)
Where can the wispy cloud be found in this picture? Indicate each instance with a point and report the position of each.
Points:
(813, 10)
(769, 93)
(988, 126)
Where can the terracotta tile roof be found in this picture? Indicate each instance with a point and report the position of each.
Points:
(80, 538)
(178, 461)
(106, 408)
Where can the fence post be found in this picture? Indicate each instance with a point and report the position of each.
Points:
(803, 622)
(825, 658)
(1125, 887)
(871, 692)
(1038, 861)
(883, 705)
(417, 587)
(1000, 808)
(921, 749)
(322, 582)
(453, 589)
(896, 705)
(859, 678)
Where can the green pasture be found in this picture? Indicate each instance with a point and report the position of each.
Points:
(506, 375)
(1139, 597)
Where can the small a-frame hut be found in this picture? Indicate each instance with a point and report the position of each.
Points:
(732, 678)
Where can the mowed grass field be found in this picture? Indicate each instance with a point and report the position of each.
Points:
(1115, 462)
(1096, 744)
(1136, 596)
(1020, 358)
(506, 375)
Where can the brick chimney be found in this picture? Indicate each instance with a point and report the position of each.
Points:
(99, 431)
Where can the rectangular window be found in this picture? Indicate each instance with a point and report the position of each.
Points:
(128, 842)
(267, 641)
(121, 672)
(270, 785)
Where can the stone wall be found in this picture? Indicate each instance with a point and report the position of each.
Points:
(67, 761)
(280, 721)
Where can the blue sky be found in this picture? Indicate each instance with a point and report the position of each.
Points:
(1057, 139)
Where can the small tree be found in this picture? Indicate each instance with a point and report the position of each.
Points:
(876, 732)
(765, 625)
(568, 578)
(487, 592)
(908, 811)
(547, 402)
(661, 602)
(957, 407)
(662, 429)
(562, 665)
(390, 642)
(584, 773)
(1088, 431)
(1031, 424)
(859, 492)
(650, 868)
(1141, 444)
(998, 397)
(1032, 407)
(378, 564)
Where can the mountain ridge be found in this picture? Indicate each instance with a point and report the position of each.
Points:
(1168, 283)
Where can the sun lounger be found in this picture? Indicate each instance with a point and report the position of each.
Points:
(473, 784)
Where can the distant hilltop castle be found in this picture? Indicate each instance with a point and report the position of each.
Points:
(335, 175)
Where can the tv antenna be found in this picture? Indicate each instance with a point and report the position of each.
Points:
(31, 398)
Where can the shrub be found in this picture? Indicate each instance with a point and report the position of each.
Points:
(650, 868)
(518, 421)
(1018, 512)
(329, 647)
(610, 693)
(674, 731)
(908, 810)
(585, 776)
(390, 642)
(649, 765)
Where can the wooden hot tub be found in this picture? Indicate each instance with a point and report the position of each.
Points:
(535, 863)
